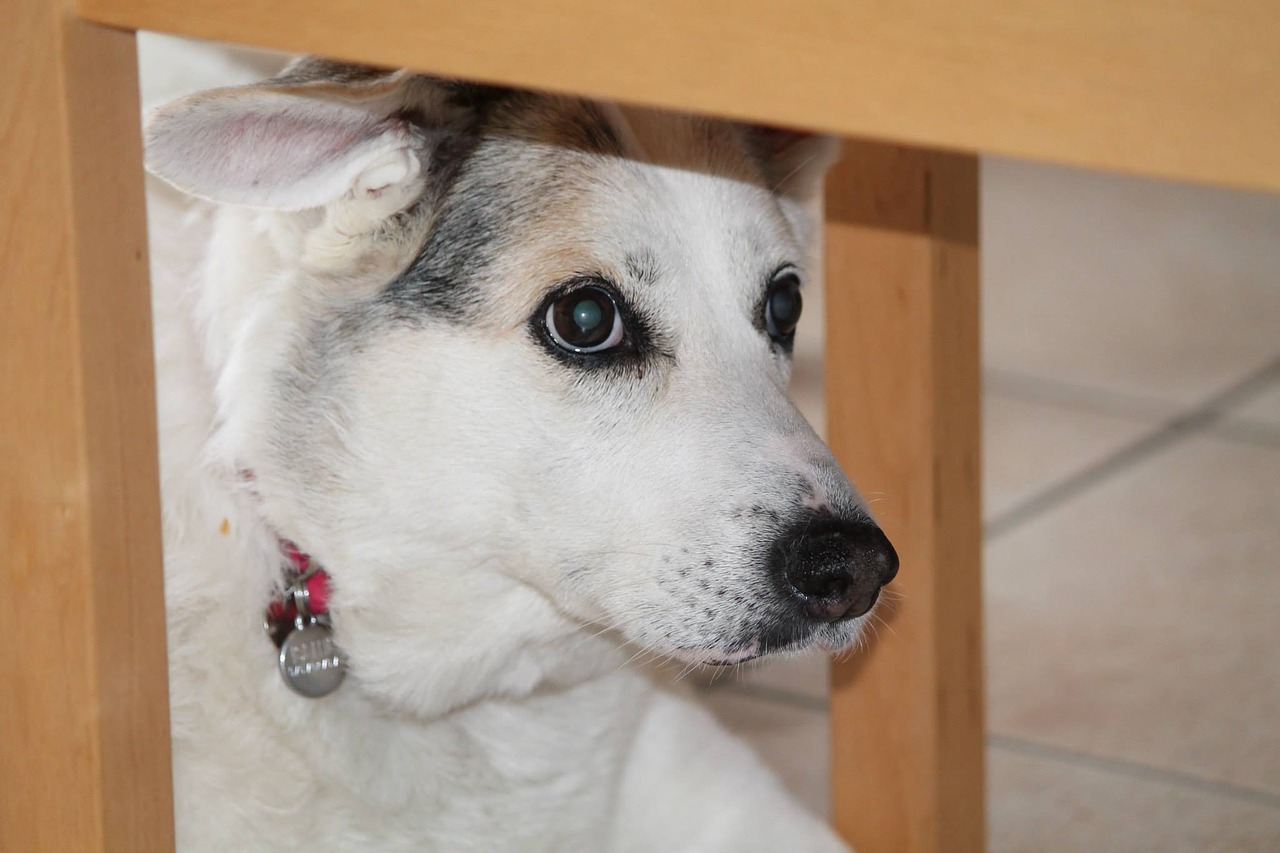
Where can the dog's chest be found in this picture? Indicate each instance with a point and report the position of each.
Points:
(530, 775)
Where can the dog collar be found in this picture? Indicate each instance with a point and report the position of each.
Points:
(314, 580)
(310, 662)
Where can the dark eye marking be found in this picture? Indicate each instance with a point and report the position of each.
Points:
(586, 323)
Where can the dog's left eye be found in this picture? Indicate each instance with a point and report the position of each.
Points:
(585, 320)
(782, 306)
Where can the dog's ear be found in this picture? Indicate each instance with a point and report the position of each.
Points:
(794, 162)
(305, 139)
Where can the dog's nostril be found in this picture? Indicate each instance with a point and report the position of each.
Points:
(834, 569)
(837, 584)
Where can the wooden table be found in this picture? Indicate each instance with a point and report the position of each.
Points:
(1179, 88)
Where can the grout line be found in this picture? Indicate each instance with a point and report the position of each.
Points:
(1000, 382)
(1207, 414)
(1246, 431)
(1134, 770)
(1064, 490)
(1253, 384)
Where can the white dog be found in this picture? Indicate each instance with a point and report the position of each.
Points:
(511, 369)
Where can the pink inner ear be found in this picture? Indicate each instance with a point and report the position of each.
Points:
(264, 150)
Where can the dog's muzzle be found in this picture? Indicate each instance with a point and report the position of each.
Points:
(833, 569)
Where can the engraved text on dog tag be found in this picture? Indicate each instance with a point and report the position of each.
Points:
(310, 662)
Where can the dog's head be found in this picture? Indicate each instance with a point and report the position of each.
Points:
(501, 359)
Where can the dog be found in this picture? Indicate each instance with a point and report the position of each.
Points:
(507, 372)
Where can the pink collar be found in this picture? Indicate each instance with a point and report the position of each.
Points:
(314, 579)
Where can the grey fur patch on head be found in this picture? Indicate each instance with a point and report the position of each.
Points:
(488, 177)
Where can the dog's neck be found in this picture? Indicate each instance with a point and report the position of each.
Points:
(224, 564)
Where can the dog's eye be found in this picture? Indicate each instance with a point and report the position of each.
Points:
(782, 306)
(585, 320)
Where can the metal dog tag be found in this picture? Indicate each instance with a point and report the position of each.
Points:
(310, 662)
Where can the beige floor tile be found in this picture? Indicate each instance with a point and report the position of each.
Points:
(1262, 409)
(794, 742)
(1140, 620)
(1038, 805)
(1160, 289)
(1029, 446)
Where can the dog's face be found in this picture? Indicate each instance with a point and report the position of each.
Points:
(517, 353)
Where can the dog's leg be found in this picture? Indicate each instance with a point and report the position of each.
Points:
(693, 787)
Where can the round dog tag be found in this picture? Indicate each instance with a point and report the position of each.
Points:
(310, 662)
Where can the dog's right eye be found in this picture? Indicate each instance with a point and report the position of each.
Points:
(585, 320)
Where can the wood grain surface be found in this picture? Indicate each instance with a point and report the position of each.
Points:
(84, 715)
(902, 376)
(1178, 88)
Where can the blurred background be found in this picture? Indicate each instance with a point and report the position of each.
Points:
(1131, 354)
(1132, 505)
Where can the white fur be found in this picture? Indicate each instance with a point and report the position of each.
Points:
(501, 540)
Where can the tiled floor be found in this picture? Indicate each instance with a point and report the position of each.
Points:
(1132, 361)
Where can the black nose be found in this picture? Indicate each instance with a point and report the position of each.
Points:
(834, 569)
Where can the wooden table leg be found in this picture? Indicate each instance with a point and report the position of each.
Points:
(903, 418)
(84, 732)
